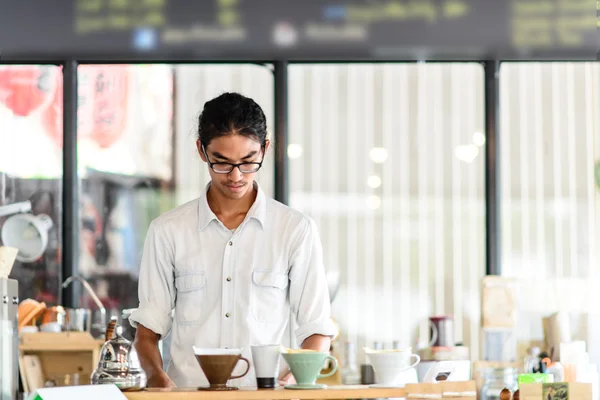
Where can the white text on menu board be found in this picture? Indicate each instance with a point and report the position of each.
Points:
(118, 15)
(546, 24)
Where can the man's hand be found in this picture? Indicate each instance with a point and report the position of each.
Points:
(317, 342)
(146, 345)
(287, 379)
(314, 342)
(161, 380)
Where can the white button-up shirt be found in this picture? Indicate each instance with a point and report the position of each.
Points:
(231, 289)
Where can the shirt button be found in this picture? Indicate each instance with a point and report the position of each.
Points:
(228, 279)
(227, 315)
(231, 243)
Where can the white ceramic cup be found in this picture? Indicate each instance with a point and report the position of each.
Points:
(266, 364)
(51, 327)
(390, 365)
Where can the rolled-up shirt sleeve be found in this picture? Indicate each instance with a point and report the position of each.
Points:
(309, 293)
(156, 287)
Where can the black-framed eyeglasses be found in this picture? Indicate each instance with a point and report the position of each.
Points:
(226, 168)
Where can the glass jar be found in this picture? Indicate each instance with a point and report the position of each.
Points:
(497, 379)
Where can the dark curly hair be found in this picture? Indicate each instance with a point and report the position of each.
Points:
(232, 113)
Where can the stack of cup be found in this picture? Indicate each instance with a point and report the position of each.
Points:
(266, 365)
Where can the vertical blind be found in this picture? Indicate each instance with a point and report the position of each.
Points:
(550, 147)
(388, 159)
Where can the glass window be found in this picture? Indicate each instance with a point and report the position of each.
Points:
(550, 147)
(550, 174)
(388, 159)
(125, 166)
(31, 175)
(138, 158)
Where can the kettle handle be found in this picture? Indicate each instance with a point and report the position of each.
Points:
(110, 329)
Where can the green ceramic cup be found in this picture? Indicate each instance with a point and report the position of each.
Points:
(306, 367)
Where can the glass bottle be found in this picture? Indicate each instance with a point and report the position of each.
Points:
(350, 371)
(497, 379)
(532, 361)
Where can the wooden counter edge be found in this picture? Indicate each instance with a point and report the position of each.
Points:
(333, 392)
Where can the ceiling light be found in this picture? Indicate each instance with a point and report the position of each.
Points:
(373, 202)
(378, 155)
(374, 181)
(466, 153)
(478, 139)
(294, 151)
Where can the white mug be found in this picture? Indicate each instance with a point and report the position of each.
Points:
(266, 364)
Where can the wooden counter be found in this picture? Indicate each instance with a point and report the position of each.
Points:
(250, 393)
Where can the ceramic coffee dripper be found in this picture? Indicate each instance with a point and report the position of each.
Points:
(391, 366)
(306, 366)
(218, 365)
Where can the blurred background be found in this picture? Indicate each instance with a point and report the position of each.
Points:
(433, 144)
(388, 159)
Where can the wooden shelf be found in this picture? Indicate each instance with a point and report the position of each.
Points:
(332, 392)
(58, 347)
(57, 357)
(64, 341)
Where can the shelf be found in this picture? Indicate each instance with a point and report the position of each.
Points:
(54, 356)
(250, 393)
(63, 341)
(57, 347)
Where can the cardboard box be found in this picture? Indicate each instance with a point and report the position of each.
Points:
(499, 302)
(555, 391)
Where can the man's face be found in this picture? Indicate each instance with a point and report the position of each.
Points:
(232, 149)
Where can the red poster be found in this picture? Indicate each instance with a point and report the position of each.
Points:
(25, 89)
(102, 101)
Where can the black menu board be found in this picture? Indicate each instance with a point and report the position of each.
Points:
(297, 29)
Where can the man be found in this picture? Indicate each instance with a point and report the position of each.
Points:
(232, 263)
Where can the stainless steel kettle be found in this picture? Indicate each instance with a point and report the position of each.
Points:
(119, 363)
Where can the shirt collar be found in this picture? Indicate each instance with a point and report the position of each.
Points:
(258, 210)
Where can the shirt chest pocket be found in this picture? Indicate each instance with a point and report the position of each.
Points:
(191, 295)
(268, 296)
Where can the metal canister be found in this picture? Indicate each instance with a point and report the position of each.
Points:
(442, 331)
